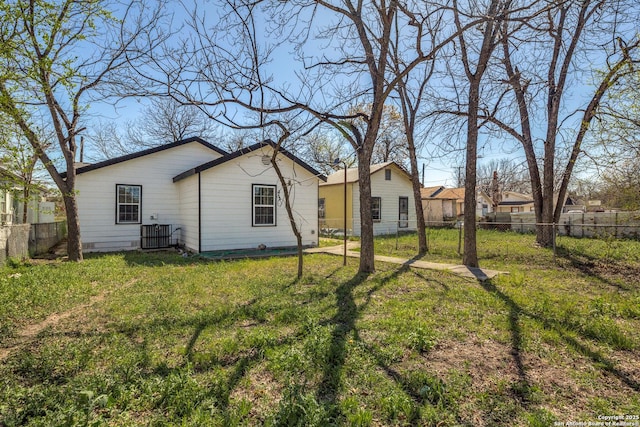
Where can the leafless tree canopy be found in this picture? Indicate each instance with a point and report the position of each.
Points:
(512, 176)
(56, 58)
(163, 121)
(227, 60)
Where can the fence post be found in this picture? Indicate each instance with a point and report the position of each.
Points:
(616, 226)
(397, 233)
(554, 242)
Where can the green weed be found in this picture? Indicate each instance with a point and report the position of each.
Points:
(157, 339)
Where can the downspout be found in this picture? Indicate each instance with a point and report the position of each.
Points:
(199, 215)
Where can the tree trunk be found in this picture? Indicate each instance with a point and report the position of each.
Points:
(287, 203)
(25, 203)
(367, 252)
(74, 243)
(496, 8)
(470, 257)
(417, 197)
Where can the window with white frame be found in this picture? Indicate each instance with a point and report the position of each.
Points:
(264, 205)
(128, 204)
(376, 209)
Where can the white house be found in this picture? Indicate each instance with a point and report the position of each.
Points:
(441, 203)
(393, 207)
(12, 202)
(515, 202)
(196, 195)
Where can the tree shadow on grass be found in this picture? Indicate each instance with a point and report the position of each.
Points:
(515, 329)
(564, 332)
(594, 267)
(344, 322)
(344, 329)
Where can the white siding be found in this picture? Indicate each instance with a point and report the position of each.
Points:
(226, 194)
(188, 233)
(154, 172)
(389, 193)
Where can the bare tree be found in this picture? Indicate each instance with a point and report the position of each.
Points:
(322, 148)
(475, 63)
(410, 90)
(351, 70)
(55, 57)
(391, 143)
(511, 175)
(552, 45)
(105, 140)
(164, 121)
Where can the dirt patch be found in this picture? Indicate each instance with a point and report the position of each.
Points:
(261, 389)
(29, 333)
(530, 380)
(484, 361)
(620, 275)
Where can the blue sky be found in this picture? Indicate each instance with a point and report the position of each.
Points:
(439, 171)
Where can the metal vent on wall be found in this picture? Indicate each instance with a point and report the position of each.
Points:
(155, 236)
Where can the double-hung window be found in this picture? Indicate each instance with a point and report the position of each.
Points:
(128, 204)
(376, 209)
(264, 205)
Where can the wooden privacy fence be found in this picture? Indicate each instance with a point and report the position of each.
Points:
(24, 240)
(43, 237)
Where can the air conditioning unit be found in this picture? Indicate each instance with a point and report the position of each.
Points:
(155, 236)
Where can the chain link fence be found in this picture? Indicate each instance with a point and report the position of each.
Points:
(599, 225)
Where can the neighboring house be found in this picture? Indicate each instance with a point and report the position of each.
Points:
(426, 192)
(6, 209)
(514, 202)
(392, 202)
(12, 202)
(448, 203)
(456, 197)
(573, 205)
(434, 209)
(194, 194)
(484, 204)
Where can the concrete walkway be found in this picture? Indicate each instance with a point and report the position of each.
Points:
(481, 274)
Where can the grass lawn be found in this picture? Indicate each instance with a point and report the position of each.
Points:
(157, 339)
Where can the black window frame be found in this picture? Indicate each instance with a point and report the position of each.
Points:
(403, 223)
(254, 206)
(379, 199)
(387, 174)
(322, 208)
(120, 221)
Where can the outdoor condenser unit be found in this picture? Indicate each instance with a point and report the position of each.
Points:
(155, 236)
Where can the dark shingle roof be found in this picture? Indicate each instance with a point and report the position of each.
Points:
(242, 152)
(138, 154)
